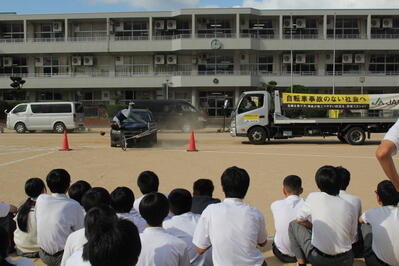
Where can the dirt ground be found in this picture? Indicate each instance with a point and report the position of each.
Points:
(92, 159)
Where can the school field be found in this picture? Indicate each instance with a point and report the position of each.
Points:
(92, 159)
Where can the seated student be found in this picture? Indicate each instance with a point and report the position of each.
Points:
(202, 195)
(356, 203)
(380, 228)
(94, 197)
(25, 236)
(183, 223)
(5, 260)
(122, 199)
(233, 228)
(7, 213)
(158, 247)
(147, 182)
(57, 217)
(78, 189)
(120, 245)
(326, 224)
(285, 211)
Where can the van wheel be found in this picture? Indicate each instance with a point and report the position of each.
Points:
(20, 128)
(186, 128)
(257, 135)
(355, 136)
(59, 127)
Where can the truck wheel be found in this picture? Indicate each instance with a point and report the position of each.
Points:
(20, 128)
(257, 135)
(59, 127)
(355, 136)
(341, 138)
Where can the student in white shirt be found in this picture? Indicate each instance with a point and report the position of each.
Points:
(117, 245)
(57, 217)
(5, 260)
(326, 224)
(159, 248)
(182, 225)
(147, 182)
(78, 189)
(25, 236)
(94, 197)
(233, 228)
(345, 177)
(285, 211)
(380, 228)
(122, 199)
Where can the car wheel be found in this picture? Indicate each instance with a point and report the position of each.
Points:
(59, 127)
(257, 135)
(20, 128)
(355, 136)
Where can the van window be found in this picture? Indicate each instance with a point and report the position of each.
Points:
(50, 108)
(78, 108)
(19, 109)
(61, 108)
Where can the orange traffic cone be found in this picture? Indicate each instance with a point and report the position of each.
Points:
(191, 145)
(65, 144)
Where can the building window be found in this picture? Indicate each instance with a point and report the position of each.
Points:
(128, 30)
(384, 64)
(211, 102)
(345, 28)
(12, 31)
(16, 66)
(216, 64)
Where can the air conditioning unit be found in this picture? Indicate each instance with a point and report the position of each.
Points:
(360, 58)
(171, 24)
(286, 59)
(76, 60)
(300, 23)
(118, 26)
(347, 58)
(244, 59)
(287, 23)
(329, 58)
(375, 23)
(39, 61)
(300, 58)
(119, 60)
(88, 60)
(387, 23)
(330, 23)
(159, 24)
(202, 59)
(171, 59)
(7, 61)
(159, 59)
(57, 26)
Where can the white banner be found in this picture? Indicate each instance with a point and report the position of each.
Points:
(384, 101)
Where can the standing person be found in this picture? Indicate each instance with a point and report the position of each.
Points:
(285, 211)
(25, 236)
(388, 148)
(57, 217)
(147, 182)
(233, 228)
(380, 228)
(159, 247)
(78, 189)
(202, 195)
(5, 260)
(326, 224)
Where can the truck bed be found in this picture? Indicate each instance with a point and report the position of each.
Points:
(365, 120)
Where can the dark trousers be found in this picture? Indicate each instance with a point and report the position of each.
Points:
(51, 260)
(369, 255)
(282, 257)
(9, 225)
(301, 245)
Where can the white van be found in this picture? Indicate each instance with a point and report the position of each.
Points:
(56, 116)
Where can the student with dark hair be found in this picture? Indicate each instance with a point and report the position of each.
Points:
(326, 224)
(122, 199)
(57, 217)
(182, 224)
(147, 182)
(78, 189)
(94, 197)
(380, 228)
(345, 177)
(159, 248)
(25, 236)
(202, 195)
(233, 228)
(5, 260)
(285, 211)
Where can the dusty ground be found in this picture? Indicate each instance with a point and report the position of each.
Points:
(92, 159)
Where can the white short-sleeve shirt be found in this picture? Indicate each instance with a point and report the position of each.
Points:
(57, 217)
(76, 259)
(384, 222)
(356, 204)
(135, 218)
(74, 243)
(334, 222)
(162, 249)
(285, 211)
(393, 136)
(4, 209)
(233, 229)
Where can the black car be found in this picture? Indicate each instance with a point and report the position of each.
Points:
(131, 126)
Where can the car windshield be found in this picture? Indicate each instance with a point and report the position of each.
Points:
(135, 116)
(187, 108)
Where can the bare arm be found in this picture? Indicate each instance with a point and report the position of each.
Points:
(201, 250)
(13, 209)
(307, 224)
(361, 220)
(384, 156)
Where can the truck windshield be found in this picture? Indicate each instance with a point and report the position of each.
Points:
(250, 102)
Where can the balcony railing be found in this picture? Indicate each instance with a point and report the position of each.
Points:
(385, 36)
(347, 36)
(171, 37)
(303, 36)
(258, 36)
(131, 38)
(215, 35)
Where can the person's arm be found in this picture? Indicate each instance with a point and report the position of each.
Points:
(201, 250)
(384, 156)
(307, 224)
(13, 209)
